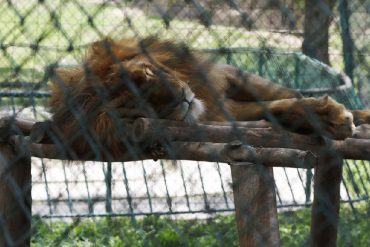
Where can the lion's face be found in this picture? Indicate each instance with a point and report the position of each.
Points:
(151, 85)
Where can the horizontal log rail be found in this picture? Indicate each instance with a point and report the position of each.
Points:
(259, 134)
(203, 141)
(234, 152)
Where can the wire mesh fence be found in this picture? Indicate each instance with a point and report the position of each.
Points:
(100, 88)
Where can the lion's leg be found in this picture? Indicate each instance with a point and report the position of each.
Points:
(306, 115)
(243, 86)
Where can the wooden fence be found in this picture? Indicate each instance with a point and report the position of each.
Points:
(251, 148)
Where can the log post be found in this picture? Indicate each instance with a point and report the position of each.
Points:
(326, 202)
(15, 197)
(255, 205)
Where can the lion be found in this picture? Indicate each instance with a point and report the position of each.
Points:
(165, 79)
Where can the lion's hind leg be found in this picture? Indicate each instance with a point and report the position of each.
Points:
(247, 87)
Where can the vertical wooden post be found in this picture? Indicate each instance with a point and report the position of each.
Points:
(326, 202)
(15, 197)
(255, 205)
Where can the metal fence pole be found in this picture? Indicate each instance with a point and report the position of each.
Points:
(15, 197)
(255, 205)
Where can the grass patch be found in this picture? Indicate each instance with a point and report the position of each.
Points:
(218, 231)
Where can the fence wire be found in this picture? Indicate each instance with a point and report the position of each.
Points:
(261, 37)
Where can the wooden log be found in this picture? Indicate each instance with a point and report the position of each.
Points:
(150, 130)
(48, 151)
(326, 203)
(14, 126)
(356, 149)
(236, 152)
(255, 205)
(168, 123)
(216, 152)
(145, 130)
(15, 197)
(349, 149)
(40, 132)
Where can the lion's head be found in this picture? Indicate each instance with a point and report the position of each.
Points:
(149, 76)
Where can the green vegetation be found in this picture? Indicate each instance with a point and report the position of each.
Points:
(218, 231)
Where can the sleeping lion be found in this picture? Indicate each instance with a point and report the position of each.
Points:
(129, 78)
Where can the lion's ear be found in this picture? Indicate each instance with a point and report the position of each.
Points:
(325, 99)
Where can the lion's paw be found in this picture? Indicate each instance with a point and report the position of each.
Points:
(330, 117)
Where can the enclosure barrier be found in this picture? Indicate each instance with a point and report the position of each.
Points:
(251, 168)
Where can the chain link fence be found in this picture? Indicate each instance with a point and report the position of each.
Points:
(261, 37)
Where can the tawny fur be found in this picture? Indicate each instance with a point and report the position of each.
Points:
(124, 74)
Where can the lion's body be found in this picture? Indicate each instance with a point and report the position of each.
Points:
(151, 75)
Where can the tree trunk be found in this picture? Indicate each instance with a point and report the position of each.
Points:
(318, 15)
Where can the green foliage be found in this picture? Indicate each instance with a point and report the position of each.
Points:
(294, 227)
(218, 231)
(354, 229)
(150, 231)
